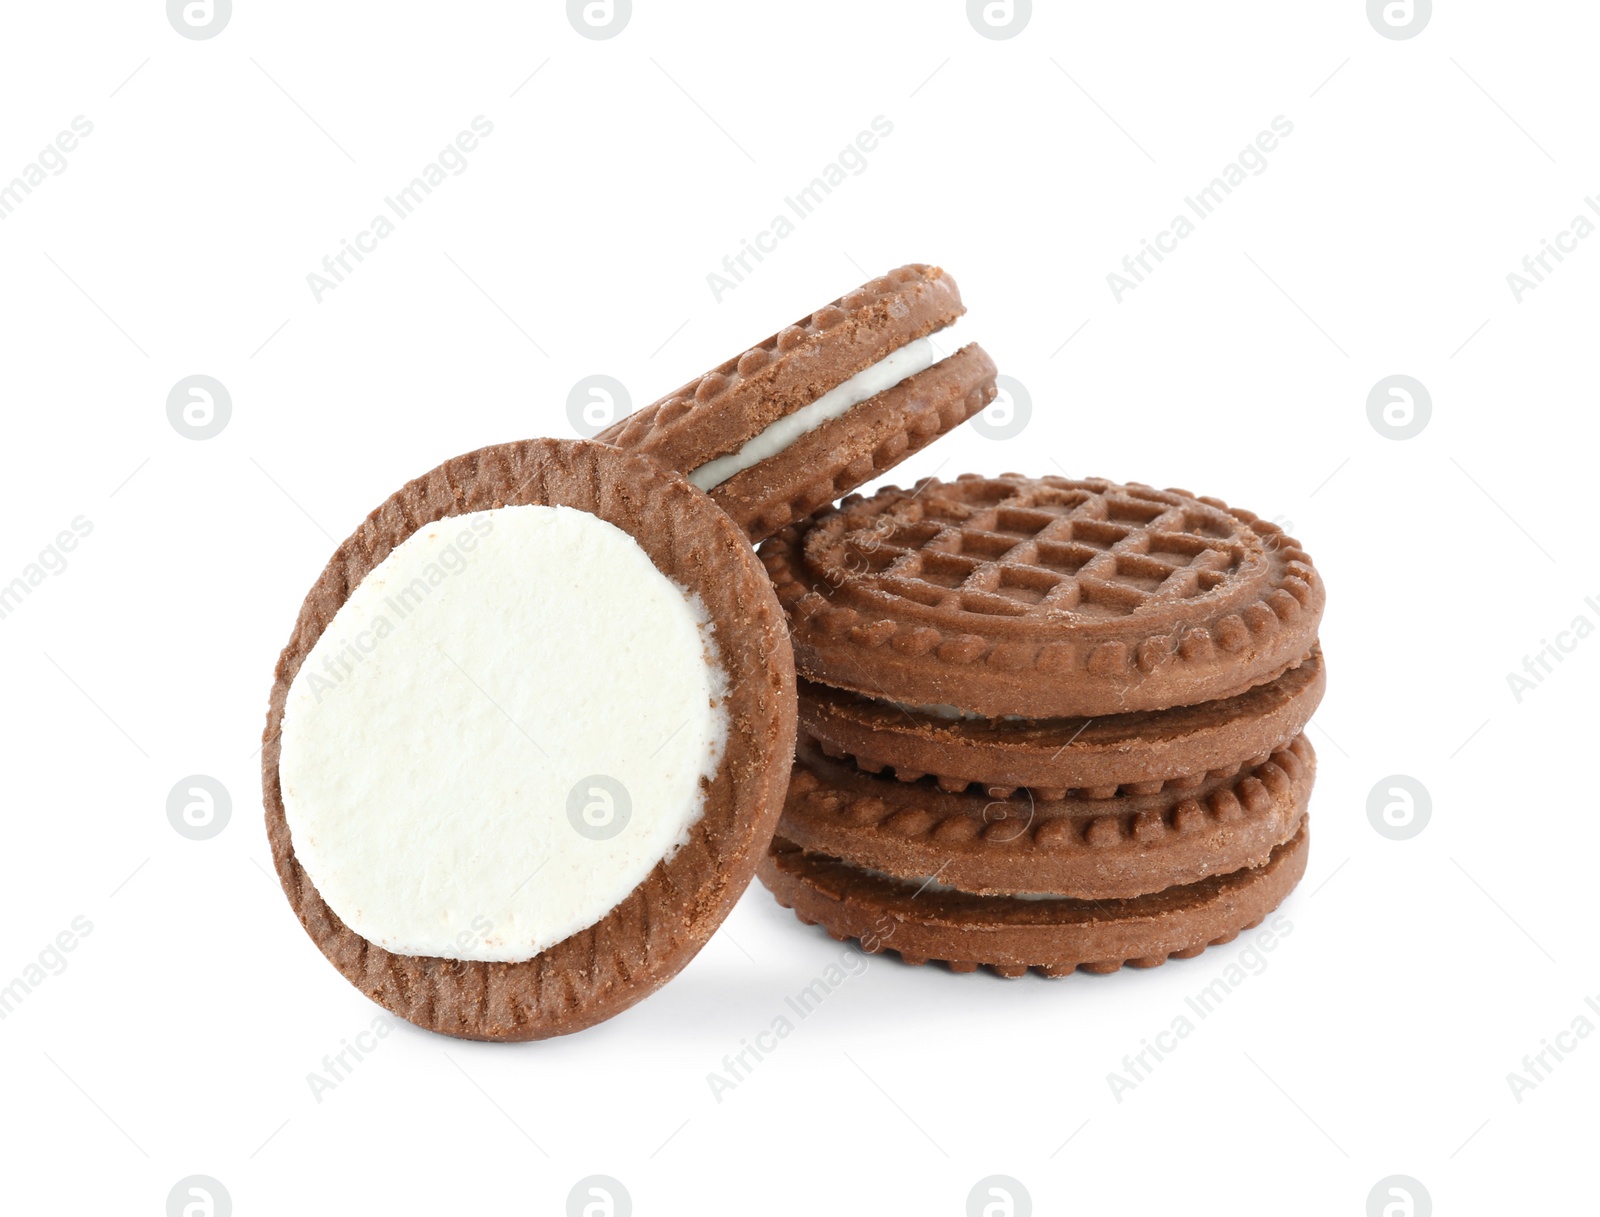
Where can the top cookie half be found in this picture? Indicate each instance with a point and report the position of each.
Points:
(822, 406)
(1043, 597)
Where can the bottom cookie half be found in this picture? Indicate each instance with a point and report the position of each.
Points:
(1011, 934)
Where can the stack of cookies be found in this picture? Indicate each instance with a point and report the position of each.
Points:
(1044, 722)
(538, 721)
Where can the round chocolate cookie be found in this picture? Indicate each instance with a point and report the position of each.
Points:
(1091, 849)
(924, 921)
(1043, 597)
(1095, 758)
(824, 405)
(529, 739)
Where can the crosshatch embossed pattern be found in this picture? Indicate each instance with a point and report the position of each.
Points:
(1086, 548)
(1124, 597)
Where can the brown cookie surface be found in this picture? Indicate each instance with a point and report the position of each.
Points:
(648, 937)
(1117, 753)
(849, 451)
(718, 413)
(1092, 849)
(1011, 935)
(1043, 597)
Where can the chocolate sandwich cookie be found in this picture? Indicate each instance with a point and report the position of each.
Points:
(1043, 597)
(529, 739)
(1045, 722)
(926, 921)
(1092, 849)
(822, 406)
(1090, 758)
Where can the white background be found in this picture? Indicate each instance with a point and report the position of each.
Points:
(1378, 1038)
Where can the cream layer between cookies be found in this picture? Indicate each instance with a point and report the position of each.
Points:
(918, 355)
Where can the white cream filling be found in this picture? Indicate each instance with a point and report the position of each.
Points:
(936, 711)
(500, 734)
(900, 364)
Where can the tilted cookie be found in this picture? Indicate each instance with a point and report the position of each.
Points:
(1134, 753)
(1043, 597)
(822, 406)
(529, 739)
(927, 921)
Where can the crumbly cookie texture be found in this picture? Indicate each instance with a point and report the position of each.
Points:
(1044, 597)
(1010, 935)
(652, 933)
(1054, 758)
(1091, 849)
(717, 413)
